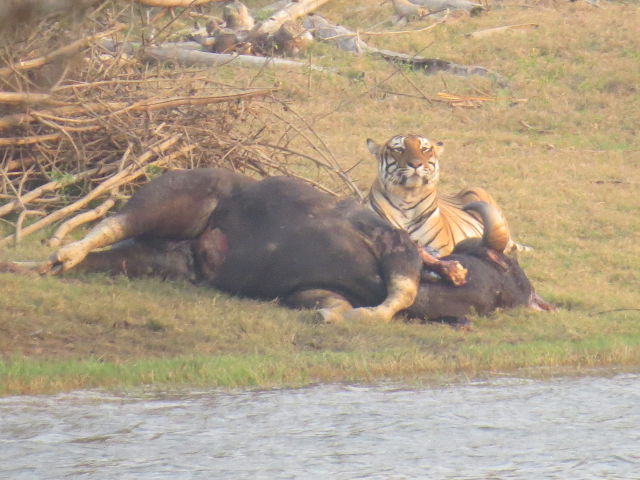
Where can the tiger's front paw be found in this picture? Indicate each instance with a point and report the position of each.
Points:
(453, 271)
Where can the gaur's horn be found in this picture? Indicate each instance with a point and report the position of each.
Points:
(496, 231)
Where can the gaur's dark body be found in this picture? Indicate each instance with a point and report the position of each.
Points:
(281, 238)
(490, 285)
(284, 236)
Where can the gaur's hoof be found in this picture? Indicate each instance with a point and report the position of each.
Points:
(64, 259)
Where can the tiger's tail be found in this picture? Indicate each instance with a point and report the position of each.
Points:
(496, 231)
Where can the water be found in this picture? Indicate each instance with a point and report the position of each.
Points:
(570, 428)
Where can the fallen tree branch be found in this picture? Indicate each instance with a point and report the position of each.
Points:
(23, 215)
(455, 100)
(291, 11)
(490, 31)
(176, 3)
(117, 108)
(38, 192)
(391, 32)
(436, 65)
(192, 58)
(17, 141)
(125, 175)
(70, 49)
(439, 5)
(27, 98)
(322, 29)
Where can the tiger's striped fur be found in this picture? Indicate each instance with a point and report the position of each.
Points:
(406, 194)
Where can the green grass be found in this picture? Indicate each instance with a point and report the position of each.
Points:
(564, 164)
(419, 354)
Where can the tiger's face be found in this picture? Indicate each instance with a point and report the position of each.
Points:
(407, 161)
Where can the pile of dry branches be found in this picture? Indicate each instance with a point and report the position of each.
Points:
(81, 127)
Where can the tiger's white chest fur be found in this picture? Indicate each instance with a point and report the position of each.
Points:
(431, 219)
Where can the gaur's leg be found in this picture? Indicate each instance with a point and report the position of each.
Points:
(400, 263)
(109, 231)
(176, 205)
(330, 305)
(167, 259)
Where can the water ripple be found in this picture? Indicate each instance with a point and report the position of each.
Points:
(579, 428)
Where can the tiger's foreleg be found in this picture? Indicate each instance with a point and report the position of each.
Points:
(448, 269)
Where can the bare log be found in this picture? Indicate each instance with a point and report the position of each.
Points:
(441, 5)
(176, 3)
(490, 31)
(194, 58)
(323, 30)
(70, 49)
(73, 223)
(436, 65)
(291, 11)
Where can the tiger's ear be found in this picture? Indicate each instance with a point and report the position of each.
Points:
(374, 148)
(439, 148)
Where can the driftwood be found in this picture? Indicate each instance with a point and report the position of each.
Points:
(435, 65)
(341, 37)
(176, 3)
(169, 53)
(490, 31)
(190, 54)
(291, 11)
(323, 30)
(442, 5)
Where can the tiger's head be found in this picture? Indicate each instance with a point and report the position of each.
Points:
(407, 162)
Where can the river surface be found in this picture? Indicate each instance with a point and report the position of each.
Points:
(567, 428)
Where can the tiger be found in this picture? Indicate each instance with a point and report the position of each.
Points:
(406, 194)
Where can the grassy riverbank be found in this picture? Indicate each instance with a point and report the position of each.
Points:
(558, 148)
